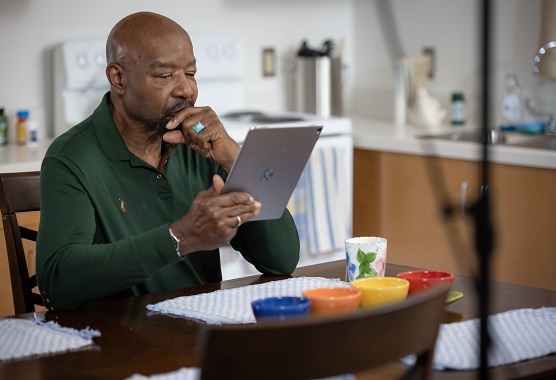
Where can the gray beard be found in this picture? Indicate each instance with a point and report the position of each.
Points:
(160, 127)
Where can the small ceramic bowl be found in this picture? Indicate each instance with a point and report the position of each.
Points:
(378, 291)
(423, 279)
(333, 300)
(281, 308)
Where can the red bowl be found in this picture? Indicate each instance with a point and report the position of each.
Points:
(423, 279)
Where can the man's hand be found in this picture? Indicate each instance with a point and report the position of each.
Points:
(212, 219)
(212, 141)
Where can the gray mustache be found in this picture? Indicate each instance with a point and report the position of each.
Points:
(186, 103)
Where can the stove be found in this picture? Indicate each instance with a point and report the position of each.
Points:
(257, 117)
(322, 202)
(237, 123)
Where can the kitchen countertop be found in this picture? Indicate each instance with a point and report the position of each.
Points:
(21, 158)
(381, 135)
(368, 134)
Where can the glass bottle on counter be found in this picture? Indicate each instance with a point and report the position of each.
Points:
(3, 128)
(511, 102)
(32, 133)
(457, 109)
(21, 127)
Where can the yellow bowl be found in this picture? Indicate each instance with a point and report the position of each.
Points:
(378, 291)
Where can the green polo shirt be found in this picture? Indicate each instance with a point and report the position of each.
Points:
(104, 221)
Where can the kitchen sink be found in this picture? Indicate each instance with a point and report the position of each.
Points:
(499, 138)
(536, 141)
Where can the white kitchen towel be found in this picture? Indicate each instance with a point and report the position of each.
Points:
(327, 191)
(195, 374)
(233, 306)
(516, 335)
(317, 204)
(21, 338)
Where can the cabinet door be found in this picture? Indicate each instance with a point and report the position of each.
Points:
(525, 220)
(406, 202)
(416, 194)
(366, 193)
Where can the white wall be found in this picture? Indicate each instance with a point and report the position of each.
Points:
(29, 29)
(452, 27)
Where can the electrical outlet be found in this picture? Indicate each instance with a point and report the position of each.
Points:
(269, 62)
(429, 52)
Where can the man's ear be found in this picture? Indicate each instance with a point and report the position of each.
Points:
(114, 73)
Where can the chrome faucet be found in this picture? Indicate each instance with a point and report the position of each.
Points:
(551, 123)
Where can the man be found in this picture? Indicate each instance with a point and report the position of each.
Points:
(131, 198)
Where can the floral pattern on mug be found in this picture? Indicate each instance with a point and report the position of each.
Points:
(365, 260)
(380, 265)
(350, 267)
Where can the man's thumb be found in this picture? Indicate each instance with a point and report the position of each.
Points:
(217, 184)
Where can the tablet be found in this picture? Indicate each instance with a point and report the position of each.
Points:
(270, 163)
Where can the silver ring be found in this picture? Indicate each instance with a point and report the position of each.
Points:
(238, 222)
(198, 127)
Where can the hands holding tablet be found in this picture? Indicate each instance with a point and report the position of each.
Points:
(268, 168)
(210, 139)
(213, 218)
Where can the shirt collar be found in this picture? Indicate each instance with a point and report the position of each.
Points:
(108, 136)
(111, 142)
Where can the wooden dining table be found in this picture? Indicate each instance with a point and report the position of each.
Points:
(137, 341)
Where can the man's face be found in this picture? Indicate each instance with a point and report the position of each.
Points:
(161, 81)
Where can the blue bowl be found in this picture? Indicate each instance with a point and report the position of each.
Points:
(281, 308)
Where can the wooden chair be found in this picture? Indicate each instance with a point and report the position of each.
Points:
(20, 192)
(318, 347)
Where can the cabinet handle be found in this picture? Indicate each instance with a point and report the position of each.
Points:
(464, 186)
(463, 198)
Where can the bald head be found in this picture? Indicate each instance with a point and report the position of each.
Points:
(140, 32)
(151, 69)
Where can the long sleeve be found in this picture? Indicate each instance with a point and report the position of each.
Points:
(104, 221)
(78, 262)
(272, 246)
(97, 242)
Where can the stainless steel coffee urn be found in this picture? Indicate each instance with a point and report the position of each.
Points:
(317, 78)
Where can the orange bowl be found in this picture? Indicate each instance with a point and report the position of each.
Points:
(333, 300)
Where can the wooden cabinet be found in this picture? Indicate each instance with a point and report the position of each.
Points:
(402, 197)
(30, 220)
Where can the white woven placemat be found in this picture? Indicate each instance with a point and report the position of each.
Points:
(195, 374)
(516, 335)
(21, 338)
(233, 306)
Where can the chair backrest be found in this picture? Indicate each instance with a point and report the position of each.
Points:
(20, 192)
(318, 347)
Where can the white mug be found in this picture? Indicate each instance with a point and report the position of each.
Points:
(365, 257)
